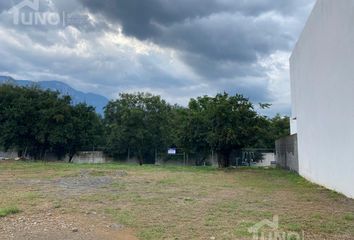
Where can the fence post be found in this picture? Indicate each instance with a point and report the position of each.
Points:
(155, 155)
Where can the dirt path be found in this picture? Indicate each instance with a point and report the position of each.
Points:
(56, 226)
(48, 222)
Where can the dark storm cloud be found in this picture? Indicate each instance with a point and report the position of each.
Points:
(212, 69)
(139, 18)
(200, 46)
(226, 37)
(223, 34)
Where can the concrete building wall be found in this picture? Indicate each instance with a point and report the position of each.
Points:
(268, 159)
(286, 153)
(322, 79)
(8, 155)
(90, 157)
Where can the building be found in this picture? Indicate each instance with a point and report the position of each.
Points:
(322, 82)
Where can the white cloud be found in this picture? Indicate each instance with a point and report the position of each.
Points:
(277, 69)
(244, 48)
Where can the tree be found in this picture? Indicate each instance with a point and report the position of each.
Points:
(195, 129)
(137, 126)
(223, 123)
(233, 125)
(32, 120)
(271, 129)
(35, 122)
(87, 130)
(280, 127)
(9, 107)
(175, 131)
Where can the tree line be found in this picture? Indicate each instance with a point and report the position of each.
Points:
(35, 122)
(139, 125)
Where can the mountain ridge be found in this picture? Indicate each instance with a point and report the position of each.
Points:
(95, 100)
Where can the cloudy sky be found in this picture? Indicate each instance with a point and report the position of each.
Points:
(176, 48)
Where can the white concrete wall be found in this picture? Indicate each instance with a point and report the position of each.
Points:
(8, 155)
(322, 76)
(90, 157)
(287, 153)
(267, 160)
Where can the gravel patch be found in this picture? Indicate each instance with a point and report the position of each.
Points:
(85, 182)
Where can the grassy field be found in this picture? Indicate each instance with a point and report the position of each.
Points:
(175, 202)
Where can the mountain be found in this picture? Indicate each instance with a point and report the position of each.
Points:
(95, 100)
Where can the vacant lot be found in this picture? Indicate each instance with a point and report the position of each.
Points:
(61, 201)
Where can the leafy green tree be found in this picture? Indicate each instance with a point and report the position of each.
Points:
(87, 130)
(232, 125)
(280, 127)
(12, 118)
(222, 123)
(195, 129)
(137, 126)
(32, 120)
(271, 129)
(54, 123)
(35, 122)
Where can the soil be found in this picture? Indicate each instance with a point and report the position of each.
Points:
(56, 224)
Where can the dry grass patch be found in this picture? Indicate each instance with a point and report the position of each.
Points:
(180, 203)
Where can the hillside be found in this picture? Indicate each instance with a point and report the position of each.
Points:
(95, 100)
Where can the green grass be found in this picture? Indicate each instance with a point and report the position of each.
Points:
(152, 233)
(172, 202)
(39, 166)
(242, 229)
(123, 217)
(8, 211)
(349, 217)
